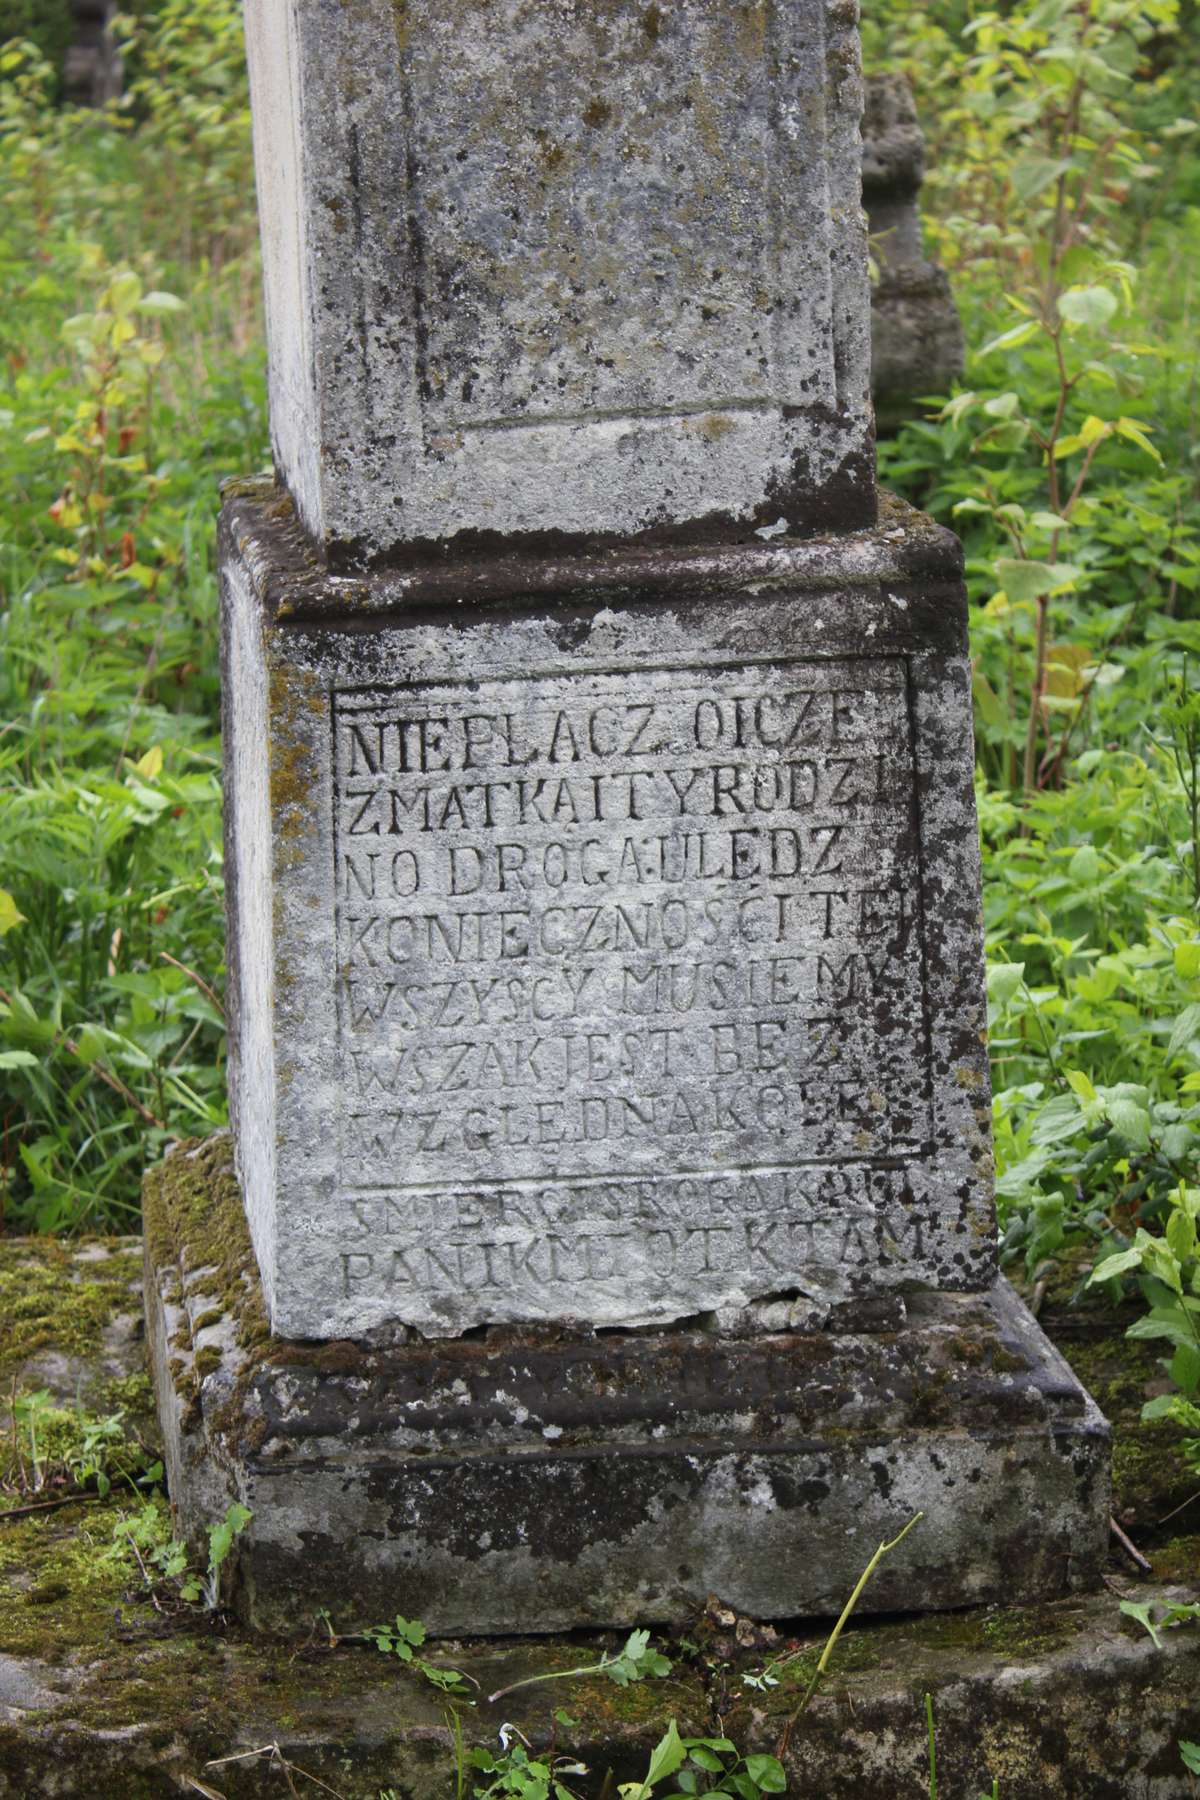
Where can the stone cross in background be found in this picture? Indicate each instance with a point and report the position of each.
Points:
(608, 1076)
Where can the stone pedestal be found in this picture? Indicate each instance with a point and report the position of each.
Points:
(607, 1034)
(604, 933)
(550, 1479)
(610, 1100)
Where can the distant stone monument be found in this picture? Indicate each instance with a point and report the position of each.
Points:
(916, 334)
(608, 1076)
(92, 68)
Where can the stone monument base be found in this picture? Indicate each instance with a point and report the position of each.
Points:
(542, 1480)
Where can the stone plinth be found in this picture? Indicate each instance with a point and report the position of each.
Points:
(105, 1695)
(604, 935)
(542, 270)
(559, 1479)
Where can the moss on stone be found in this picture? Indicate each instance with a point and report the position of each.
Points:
(1179, 1559)
(195, 1222)
(59, 1582)
(50, 1299)
(1017, 1634)
(1150, 1474)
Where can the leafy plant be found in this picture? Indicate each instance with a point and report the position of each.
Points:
(400, 1638)
(146, 1535)
(221, 1535)
(635, 1661)
(60, 1450)
(705, 1766)
(518, 1775)
(1056, 74)
(130, 225)
(1169, 1270)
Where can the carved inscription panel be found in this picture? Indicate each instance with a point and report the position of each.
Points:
(630, 986)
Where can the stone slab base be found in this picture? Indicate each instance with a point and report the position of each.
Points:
(557, 1481)
(105, 1697)
(1064, 1701)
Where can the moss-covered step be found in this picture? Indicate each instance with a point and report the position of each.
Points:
(104, 1695)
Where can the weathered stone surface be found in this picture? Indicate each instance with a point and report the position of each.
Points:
(1063, 1701)
(104, 1696)
(602, 959)
(605, 1479)
(71, 1322)
(916, 334)
(552, 270)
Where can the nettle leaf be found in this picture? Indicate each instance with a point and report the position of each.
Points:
(1024, 579)
(1031, 175)
(1085, 866)
(10, 916)
(1181, 1234)
(1187, 959)
(158, 302)
(1135, 431)
(1003, 981)
(1092, 431)
(1081, 1084)
(1093, 306)
(1177, 1142)
(1162, 1323)
(1013, 338)
(988, 704)
(124, 291)
(1112, 1266)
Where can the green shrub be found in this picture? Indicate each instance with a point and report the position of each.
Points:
(47, 24)
(130, 380)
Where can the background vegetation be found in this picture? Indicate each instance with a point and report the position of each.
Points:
(1064, 195)
(131, 380)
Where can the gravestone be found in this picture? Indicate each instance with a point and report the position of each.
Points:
(613, 1221)
(92, 68)
(916, 334)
